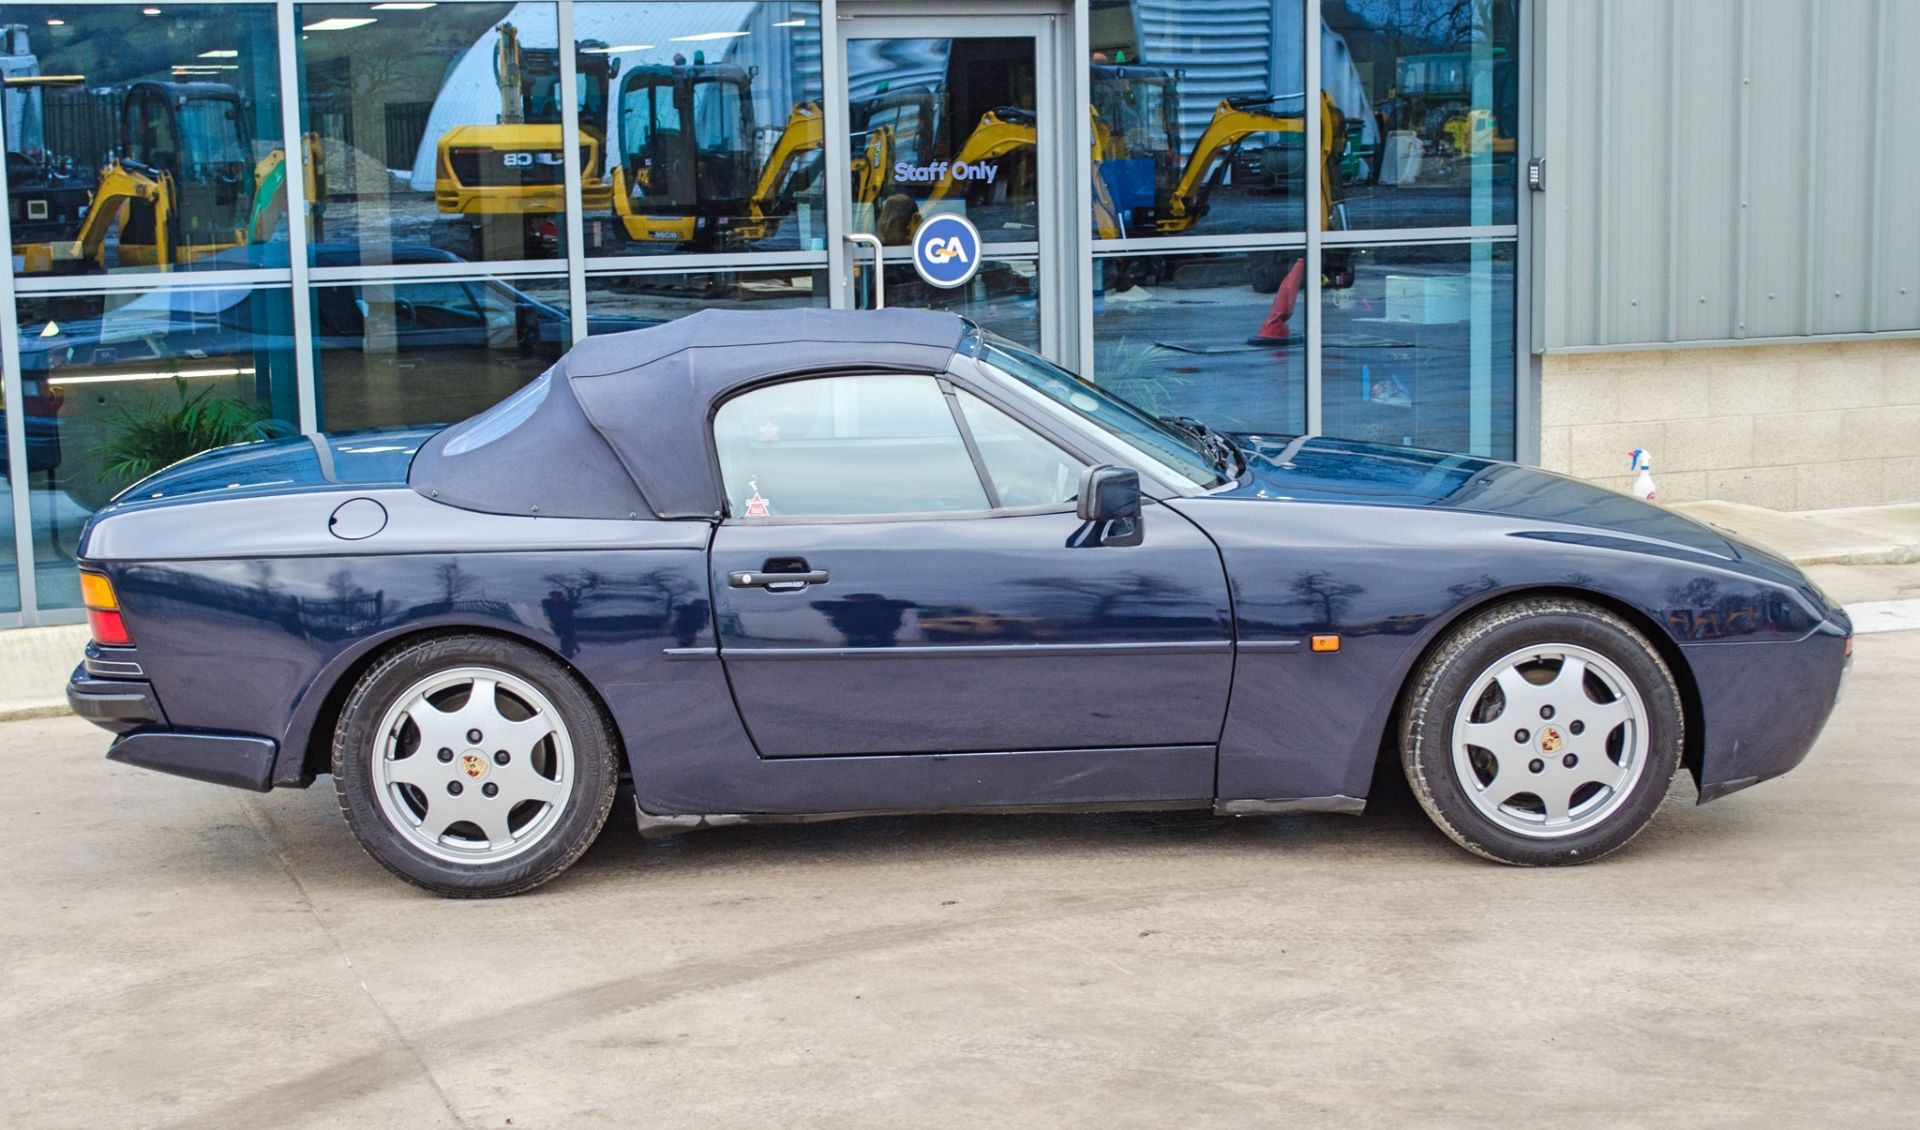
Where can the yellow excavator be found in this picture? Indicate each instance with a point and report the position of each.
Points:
(515, 167)
(686, 174)
(183, 185)
(1006, 129)
(1178, 206)
(1233, 121)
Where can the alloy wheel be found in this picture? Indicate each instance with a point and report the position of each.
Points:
(1550, 740)
(473, 765)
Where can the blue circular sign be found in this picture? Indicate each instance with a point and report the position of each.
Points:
(946, 251)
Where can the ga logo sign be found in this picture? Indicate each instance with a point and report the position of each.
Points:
(946, 251)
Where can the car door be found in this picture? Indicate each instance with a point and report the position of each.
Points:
(944, 596)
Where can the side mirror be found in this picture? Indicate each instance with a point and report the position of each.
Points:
(1110, 507)
(1109, 493)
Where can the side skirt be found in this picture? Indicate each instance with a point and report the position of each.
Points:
(653, 826)
(1344, 805)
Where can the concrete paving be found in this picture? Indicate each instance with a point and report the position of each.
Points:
(179, 955)
(1855, 535)
(34, 666)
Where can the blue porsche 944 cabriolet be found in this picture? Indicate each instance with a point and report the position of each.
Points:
(800, 564)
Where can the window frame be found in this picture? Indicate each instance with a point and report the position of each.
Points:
(945, 383)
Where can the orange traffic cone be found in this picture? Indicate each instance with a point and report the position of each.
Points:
(1275, 330)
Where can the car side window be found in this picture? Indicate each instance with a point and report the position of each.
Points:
(1026, 468)
(440, 305)
(852, 446)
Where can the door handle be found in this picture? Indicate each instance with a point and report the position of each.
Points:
(879, 268)
(747, 579)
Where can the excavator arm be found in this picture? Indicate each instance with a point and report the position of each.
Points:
(873, 166)
(270, 186)
(805, 133)
(1000, 132)
(1006, 129)
(1232, 123)
(127, 190)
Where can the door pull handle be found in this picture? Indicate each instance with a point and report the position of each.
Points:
(879, 267)
(750, 580)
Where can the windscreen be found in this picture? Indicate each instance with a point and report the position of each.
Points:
(210, 129)
(1098, 407)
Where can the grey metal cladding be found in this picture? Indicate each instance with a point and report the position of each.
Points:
(1727, 170)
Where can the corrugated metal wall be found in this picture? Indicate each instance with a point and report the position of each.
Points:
(1222, 48)
(1726, 170)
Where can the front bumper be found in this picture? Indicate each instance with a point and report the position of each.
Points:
(129, 708)
(1764, 704)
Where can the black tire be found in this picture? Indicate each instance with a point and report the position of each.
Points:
(1471, 651)
(357, 742)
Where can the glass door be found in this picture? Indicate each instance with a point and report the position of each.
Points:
(954, 115)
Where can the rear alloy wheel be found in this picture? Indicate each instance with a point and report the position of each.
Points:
(1544, 731)
(473, 766)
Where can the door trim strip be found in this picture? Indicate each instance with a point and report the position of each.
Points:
(981, 651)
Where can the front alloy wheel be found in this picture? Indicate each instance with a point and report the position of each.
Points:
(1542, 731)
(472, 765)
(1551, 741)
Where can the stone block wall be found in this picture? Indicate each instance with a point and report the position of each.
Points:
(1790, 427)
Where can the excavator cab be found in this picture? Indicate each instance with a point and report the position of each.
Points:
(182, 186)
(195, 134)
(507, 177)
(540, 102)
(686, 164)
(913, 116)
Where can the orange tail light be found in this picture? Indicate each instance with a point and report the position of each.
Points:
(103, 611)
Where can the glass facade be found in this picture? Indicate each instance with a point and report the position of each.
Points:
(1199, 118)
(1204, 274)
(118, 384)
(131, 100)
(431, 351)
(238, 220)
(1428, 98)
(1419, 349)
(1202, 336)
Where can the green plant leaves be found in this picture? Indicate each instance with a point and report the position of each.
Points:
(168, 431)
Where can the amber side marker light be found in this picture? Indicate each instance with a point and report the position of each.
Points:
(1326, 643)
(103, 611)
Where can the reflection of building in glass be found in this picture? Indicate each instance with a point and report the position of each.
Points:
(168, 167)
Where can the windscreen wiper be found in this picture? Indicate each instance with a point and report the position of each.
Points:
(1221, 451)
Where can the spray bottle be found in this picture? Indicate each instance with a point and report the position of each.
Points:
(1639, 460)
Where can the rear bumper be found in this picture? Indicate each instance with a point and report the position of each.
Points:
(119, 705)
(240, 760)
(129, 708)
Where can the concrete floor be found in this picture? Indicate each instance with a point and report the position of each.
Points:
(178, 955)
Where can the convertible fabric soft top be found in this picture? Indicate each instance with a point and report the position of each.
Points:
(618, 427)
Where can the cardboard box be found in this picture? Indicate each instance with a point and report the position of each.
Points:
(1426, 300)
